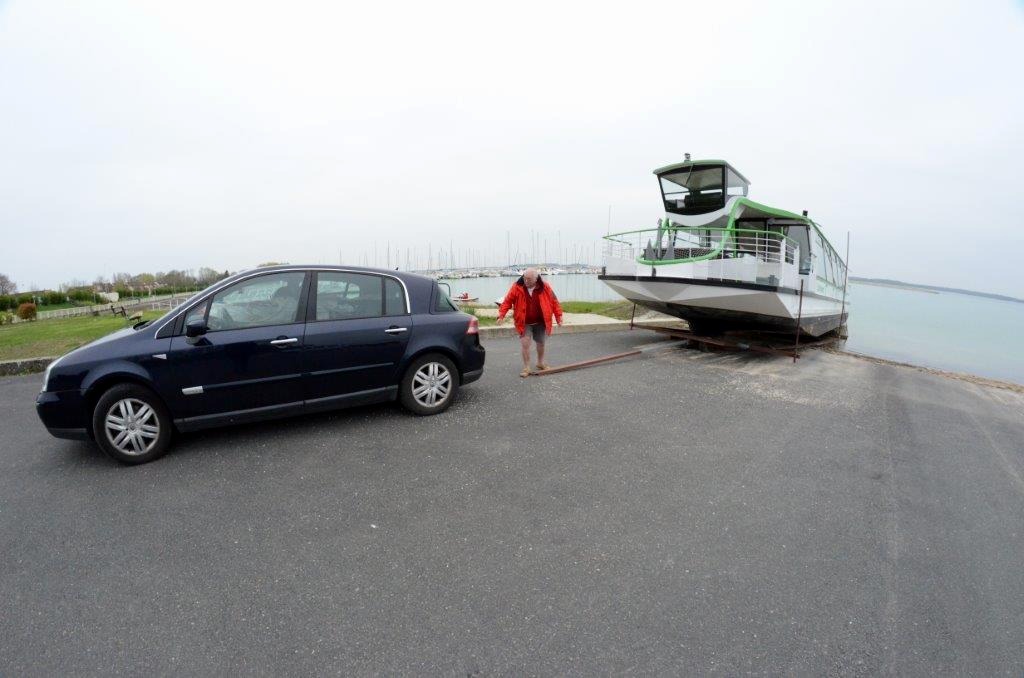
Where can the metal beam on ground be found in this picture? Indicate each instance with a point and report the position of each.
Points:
(606, 358)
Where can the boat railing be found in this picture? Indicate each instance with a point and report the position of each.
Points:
(734, 254)
(656, 246)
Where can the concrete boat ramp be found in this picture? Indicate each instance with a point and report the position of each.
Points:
(679, 513)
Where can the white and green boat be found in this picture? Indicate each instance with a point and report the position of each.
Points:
(722, 262)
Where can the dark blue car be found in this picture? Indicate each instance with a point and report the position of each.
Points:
(266, 343)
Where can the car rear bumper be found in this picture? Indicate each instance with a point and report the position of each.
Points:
(473, 357)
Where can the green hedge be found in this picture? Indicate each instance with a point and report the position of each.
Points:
(82, 295)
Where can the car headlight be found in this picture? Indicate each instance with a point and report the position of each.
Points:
(46, 375)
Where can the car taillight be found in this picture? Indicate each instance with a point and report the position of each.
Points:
(474, 326)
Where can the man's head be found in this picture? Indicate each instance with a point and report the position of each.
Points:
(530, 276)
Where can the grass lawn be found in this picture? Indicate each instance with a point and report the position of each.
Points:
(485, 321)
(42, 338)
(621, 310)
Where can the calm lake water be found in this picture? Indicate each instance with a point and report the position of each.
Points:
(947, 331)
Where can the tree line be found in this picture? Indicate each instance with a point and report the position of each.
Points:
(124, 284)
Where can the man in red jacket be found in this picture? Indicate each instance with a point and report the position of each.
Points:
(533, 303)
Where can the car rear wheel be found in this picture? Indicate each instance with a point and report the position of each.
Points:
(131, 424)
(429, 385)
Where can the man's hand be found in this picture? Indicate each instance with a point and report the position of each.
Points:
(559, 321)
(500, 320)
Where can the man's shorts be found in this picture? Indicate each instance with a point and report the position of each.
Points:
(537, 331)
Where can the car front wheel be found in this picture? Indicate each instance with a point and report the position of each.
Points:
(131, 424)
(429, 385)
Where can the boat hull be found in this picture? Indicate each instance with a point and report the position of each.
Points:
(726, 305)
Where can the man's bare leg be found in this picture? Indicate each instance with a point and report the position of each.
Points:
(524, 346)
(540, 354)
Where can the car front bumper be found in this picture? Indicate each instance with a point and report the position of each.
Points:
(62, 414)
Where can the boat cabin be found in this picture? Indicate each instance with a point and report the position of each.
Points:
(699, 186)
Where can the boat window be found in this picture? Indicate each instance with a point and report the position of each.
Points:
(694, 190)
(700, 188)
(819, 255)
(799, 235)
(735, 185)
(835, 277)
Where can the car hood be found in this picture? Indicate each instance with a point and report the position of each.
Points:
(85, 352)
(113, 336)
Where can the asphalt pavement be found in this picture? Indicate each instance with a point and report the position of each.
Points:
(675, 513)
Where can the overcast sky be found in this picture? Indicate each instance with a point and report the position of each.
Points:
(142, 136)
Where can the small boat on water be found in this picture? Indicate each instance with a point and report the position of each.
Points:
(723, 262)
(465, 297)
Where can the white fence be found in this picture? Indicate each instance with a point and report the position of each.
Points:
(167, 302)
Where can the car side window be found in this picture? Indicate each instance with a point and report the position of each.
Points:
(271, 299)
(394, 297)
(442, 304)
(196, 313)
(343, 296)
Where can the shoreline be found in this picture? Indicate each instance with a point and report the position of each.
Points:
(909, 288)
(959, 376)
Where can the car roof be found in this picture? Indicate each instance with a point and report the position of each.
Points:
(405, 275)
(418, 286)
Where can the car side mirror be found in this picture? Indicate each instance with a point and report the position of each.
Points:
(194, 329)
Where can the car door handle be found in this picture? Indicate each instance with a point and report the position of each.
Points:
(396, 330)
(284, 342)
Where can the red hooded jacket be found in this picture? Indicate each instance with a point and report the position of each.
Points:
(517, 299)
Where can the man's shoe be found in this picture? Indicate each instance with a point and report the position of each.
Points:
(525, 372)
(542, 367)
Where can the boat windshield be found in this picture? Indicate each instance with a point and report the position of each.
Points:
(698, 189)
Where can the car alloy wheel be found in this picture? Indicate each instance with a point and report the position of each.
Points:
(131, 426)
(431, 384)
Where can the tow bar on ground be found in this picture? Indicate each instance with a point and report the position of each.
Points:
(605, 359)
